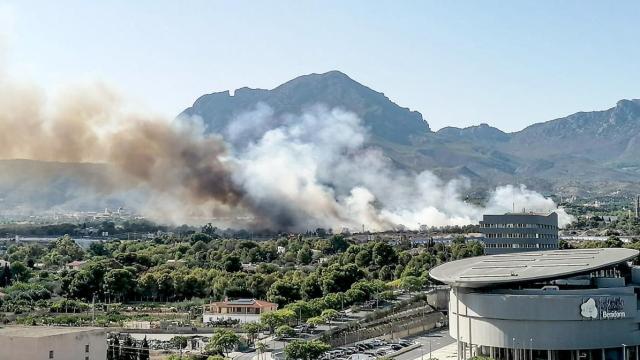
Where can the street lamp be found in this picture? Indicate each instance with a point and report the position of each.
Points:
(430, 336)
(624, 351)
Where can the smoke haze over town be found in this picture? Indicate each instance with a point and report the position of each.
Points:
(290, 171)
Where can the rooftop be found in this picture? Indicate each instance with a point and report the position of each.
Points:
(485, 271)
(42, 331)
(244, 302)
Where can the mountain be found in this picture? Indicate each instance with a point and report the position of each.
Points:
(482, 133)
(607, 135)
(333, 89)
(28, 186)
(589, 152)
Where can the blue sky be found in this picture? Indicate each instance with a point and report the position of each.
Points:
(460, 63)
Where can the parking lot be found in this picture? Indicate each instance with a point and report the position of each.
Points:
(430, 341)
(368, 349)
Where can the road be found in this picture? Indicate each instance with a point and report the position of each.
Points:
(438, 338)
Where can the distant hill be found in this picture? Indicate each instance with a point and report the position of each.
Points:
(27, 186)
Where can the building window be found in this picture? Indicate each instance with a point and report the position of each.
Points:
(50, 354)
(86, 348)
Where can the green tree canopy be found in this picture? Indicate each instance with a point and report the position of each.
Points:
(305, 350)
(222, 341)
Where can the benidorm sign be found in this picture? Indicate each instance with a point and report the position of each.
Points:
(603, 308)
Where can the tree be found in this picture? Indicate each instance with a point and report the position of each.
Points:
(363, 258)
(262, 348)
(232, 264)
(67, 247)
(252, 330)
(613, 242)
(179, 342)
(305, 255)
(273, 319)
(20, 271)
(83, 285)
(148, 285)
(355, 296)
(210, 230)
(564, 244)
(311, 288)
(303, 309)
(97, 248)
(338, 243)
(127, 351)
(285, 331)
(329, 314)
(165, 286)
(119, 282)
(383, 254)
(411, 283)
(5, 278)
(305, 350)
(113, 352)
(144, 351)
(316, 320)
(283, 291)
(222, 341)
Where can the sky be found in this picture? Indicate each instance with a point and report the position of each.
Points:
(460, 63)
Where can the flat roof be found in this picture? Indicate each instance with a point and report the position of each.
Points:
(43, 331)
(485, 271)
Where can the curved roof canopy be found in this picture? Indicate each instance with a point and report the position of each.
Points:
(485, 271)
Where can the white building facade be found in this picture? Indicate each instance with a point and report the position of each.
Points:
(61, 343)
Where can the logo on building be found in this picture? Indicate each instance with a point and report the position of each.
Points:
(605, 308)
(589, 309)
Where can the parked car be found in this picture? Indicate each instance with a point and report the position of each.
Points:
(378, 342)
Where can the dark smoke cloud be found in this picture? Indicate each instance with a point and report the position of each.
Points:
(187, 170)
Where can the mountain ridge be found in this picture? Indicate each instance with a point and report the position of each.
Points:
(542, 155)
(587, 153)
(332, 89)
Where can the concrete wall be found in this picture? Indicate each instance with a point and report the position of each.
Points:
(545, 321)
(244, 318)
(70, 346)
(438, 298)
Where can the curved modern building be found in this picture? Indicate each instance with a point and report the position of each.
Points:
(560, 304)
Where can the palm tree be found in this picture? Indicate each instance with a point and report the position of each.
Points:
(262, 348)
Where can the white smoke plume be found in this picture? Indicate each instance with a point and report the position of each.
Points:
(316, 170)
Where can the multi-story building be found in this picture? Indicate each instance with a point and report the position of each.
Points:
(579, 304)
(243, 310)
(40, 342)
(519, 232)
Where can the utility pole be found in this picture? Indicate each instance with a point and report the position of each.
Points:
(457, 320)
